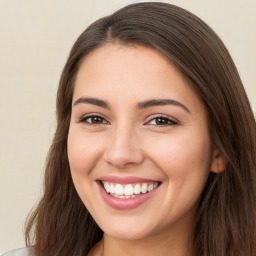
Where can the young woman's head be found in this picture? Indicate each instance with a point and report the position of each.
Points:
(150, 107)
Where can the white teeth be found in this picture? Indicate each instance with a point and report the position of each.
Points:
(107, 187)
(136, 189)
(123, 197)
(112, 189)
(129, 190)
(119, 190)
(144, 188)
(150, 187)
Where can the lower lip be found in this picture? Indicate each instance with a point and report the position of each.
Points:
(128, 203)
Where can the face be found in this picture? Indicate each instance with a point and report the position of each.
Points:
(138, 144)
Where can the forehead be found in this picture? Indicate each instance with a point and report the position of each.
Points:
(115, 71)
(117, 60)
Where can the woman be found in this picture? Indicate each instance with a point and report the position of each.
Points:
(154, 152)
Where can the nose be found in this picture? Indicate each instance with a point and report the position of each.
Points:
(123, 149)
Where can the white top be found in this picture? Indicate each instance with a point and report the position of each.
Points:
(19, 252)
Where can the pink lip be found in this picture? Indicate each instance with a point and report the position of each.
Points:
(125, 204)
(124, 180)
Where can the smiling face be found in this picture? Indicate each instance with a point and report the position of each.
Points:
(138, 129)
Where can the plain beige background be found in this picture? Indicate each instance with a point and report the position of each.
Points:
(35, 39)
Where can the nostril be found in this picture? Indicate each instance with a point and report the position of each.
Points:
(123, 159)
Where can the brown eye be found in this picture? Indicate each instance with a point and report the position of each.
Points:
(162, 121)
(96, 120)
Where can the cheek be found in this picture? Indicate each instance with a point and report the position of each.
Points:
(83, 155)
(185, 161)
(186, 167)
(180, 154)
(83, 152)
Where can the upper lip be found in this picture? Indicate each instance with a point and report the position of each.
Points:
(124, 180)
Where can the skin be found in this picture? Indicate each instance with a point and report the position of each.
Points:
(128, 141)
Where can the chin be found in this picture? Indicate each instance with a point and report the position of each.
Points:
(127, 230)
(127, 235)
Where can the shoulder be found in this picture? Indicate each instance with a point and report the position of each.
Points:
(28, 251)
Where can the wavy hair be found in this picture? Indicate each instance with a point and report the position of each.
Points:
(61, 225)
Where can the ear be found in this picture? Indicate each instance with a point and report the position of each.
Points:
(219, 161)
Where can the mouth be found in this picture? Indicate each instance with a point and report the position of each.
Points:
(127, 191)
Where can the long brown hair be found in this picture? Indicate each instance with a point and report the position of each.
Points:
(226, 219)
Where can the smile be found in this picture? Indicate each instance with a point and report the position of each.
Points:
(124, 193)
(129, 190)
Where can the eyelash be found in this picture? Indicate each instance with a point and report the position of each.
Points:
(84, 118)
(170, 121)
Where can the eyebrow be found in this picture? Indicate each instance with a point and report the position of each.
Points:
(93, 101)
(161, 102)
(140, 105)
